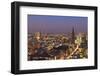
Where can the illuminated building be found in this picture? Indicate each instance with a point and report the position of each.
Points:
(37, 35)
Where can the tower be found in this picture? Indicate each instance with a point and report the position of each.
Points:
(73, 36)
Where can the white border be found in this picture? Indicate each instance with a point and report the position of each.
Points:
(26, 65)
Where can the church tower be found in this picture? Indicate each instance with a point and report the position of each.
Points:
(73, 36)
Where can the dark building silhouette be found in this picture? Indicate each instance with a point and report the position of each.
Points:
(73, 36)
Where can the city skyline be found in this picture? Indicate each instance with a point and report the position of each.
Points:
(57, 37)
(56, 24)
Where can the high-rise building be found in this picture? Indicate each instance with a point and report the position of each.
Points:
(37, 35)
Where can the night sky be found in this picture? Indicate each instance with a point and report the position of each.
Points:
(56, 24)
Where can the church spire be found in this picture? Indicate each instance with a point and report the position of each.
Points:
(73, 35)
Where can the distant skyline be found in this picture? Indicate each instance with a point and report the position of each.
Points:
(57, 24)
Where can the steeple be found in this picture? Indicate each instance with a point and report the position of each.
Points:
(73, 35)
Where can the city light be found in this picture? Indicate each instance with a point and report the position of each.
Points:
(57, 46)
